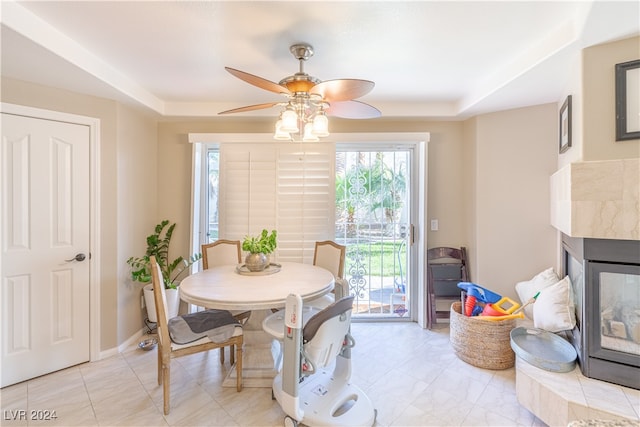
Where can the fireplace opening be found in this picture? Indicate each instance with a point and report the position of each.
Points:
(605, 275)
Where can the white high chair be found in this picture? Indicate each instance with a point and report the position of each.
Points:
(305, 389)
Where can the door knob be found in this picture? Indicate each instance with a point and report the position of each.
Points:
(79, 257)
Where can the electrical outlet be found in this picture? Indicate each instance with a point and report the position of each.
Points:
(142, 301)
(434, 225)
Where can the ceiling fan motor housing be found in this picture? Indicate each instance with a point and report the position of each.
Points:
(300, 81)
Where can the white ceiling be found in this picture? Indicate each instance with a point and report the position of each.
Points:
(447, 59)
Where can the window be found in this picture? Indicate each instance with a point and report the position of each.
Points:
(282, 186)
(211, 205)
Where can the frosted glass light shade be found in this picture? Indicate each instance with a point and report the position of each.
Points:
(309, 136)
(281, 135)
(289, 121)
(321, 125)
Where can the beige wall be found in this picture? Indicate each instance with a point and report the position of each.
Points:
(470, 170)
(515, 153)
(599, 116)
(137, 175)
(574, 88)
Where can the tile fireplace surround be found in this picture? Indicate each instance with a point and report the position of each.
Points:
(597, 199)
(560, 398)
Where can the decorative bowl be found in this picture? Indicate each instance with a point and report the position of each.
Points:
(148, 344)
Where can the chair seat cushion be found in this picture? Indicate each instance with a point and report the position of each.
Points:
(217, 325)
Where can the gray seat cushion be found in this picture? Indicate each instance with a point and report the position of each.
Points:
(218, 325)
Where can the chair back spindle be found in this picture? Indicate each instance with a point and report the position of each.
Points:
(160, 298)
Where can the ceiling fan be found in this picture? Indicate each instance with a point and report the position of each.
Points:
(309, 100)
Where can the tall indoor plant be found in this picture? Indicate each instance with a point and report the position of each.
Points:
(158, 245)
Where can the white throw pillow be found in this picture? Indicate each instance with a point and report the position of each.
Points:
(554, 310)
(529, 288)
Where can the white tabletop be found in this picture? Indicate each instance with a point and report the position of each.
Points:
(223, 288)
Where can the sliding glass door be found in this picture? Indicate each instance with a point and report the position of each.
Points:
(373, 220)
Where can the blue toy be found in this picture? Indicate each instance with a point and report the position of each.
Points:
(476, 293)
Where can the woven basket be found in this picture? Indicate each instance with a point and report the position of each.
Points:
(482, 343)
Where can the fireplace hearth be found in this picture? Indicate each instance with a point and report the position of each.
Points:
(605, 274)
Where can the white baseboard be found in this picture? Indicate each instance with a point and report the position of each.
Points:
(133, 339)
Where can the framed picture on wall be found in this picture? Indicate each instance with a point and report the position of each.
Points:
(628, 100)
(565, 125)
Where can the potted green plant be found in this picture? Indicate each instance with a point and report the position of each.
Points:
(158, 246)
(259, 248)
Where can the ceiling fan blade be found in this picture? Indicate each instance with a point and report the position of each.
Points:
(251, 108)
(353, 110)
(258, 81)
(343, 89)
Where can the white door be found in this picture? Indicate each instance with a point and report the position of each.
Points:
(45, 246)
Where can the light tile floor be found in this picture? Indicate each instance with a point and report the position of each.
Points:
(411, 375)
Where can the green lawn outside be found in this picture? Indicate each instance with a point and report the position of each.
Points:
(382, 257)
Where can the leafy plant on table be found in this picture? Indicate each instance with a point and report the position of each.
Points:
(265, 243)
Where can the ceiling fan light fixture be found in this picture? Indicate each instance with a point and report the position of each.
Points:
(289, 121)
(309, 136)
(281, 135)
(309, 100)
(321, 125)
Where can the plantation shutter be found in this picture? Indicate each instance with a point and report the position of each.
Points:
(283, 186)
(246, 190)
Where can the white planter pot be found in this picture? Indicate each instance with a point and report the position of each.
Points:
(173, 303)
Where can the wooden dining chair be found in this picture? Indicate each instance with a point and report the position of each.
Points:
(330, 256)
(225, 252)
(446, 267)
(221, 252)
(219, 323)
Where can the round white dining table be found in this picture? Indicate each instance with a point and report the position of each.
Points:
(222, 287)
